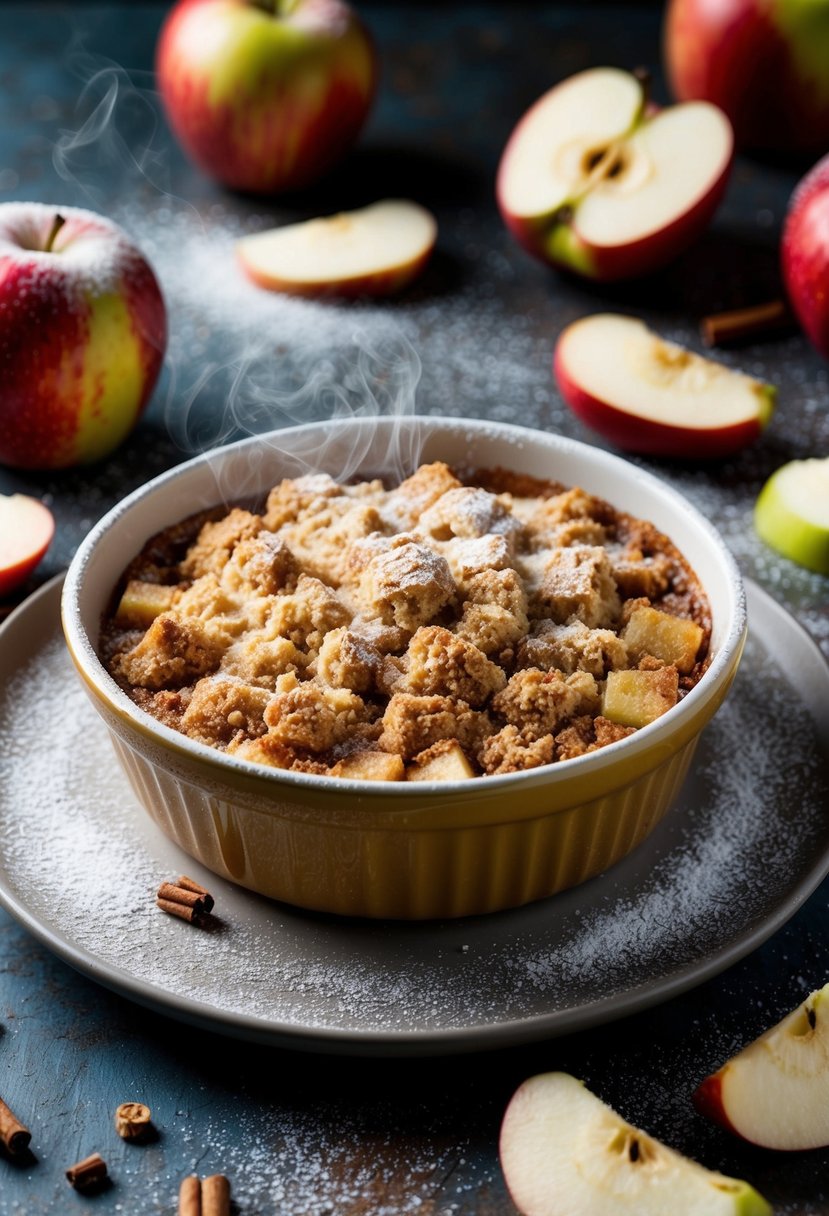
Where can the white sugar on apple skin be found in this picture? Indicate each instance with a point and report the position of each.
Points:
(96, 269)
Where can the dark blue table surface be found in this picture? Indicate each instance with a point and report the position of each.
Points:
(302, 1135)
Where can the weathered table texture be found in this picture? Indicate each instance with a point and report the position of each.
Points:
(301, 1134)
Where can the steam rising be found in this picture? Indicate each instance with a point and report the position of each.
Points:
(368, 378)
(120, 130)
(241, 361)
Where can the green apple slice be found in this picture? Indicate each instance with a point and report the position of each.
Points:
(792, 513)
(564, 1153)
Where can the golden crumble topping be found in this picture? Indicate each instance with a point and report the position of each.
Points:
(450, 627)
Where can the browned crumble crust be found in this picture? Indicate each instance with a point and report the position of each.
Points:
(448, 627)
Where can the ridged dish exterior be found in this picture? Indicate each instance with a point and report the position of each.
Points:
(384, 849)
(402, 873)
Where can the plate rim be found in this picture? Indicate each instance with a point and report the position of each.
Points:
(427, 1042)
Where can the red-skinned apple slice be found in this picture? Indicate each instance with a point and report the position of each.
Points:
(595, 180)
(564, 1153)
(26, 531)
(648, 395)
(775, 1092)
(377, 250)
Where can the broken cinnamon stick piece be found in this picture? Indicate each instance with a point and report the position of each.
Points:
(189, 1197)
(14, 1135)
(743, 324)
(199, 900)
(133, 1122)
(179, 910)
(190, 884)
(87, 1174)
(178, 895)
(215, 1196)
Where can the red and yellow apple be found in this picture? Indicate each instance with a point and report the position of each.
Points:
(26, 531)
(376, 251)
(565, 1153)
(775, 1092)
(595, 180)
(792, 513)
(764, 62)
(651, 396)
(82, 335)
(265, 95)
(804, 254)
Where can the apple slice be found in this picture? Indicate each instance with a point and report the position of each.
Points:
(596, 180)
(376, 251)
(26, 531)
(792, 513)
(564, 1153)
(775, 1092)
(648, 395)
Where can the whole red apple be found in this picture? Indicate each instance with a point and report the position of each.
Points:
(82, 335)
(765, 62)
(805, 254)
(265, 95)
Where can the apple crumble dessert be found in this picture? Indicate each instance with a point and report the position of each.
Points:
(450, 627)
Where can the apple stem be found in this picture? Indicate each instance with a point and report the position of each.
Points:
(57, 224)
(275, 8)
(563, 215)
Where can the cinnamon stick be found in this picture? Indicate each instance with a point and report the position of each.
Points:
(179, 910)
(87, 1174)
(14, 1135)
(190, 884)
(133, 1121)
(743, 324)
(215, 1196)
(189, 1197)
(185, 899)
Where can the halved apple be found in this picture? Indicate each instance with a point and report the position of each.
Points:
(648, 395)
(775, 1092)
(792, 513)
(26, 531)
(376, 251)
(564, 1153)
(596, 180)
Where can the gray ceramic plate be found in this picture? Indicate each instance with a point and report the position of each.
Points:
(744, 847)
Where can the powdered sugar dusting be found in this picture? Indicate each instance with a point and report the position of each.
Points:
(99, 254)
(725, 836)
(748, 826)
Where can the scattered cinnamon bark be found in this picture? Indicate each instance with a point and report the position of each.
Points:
(208, 1198)
(184, 898)
(133, 1122)
(89, 1174)
(743, 324)
(189, 1197)
(215, 1196)
(14, 1135)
